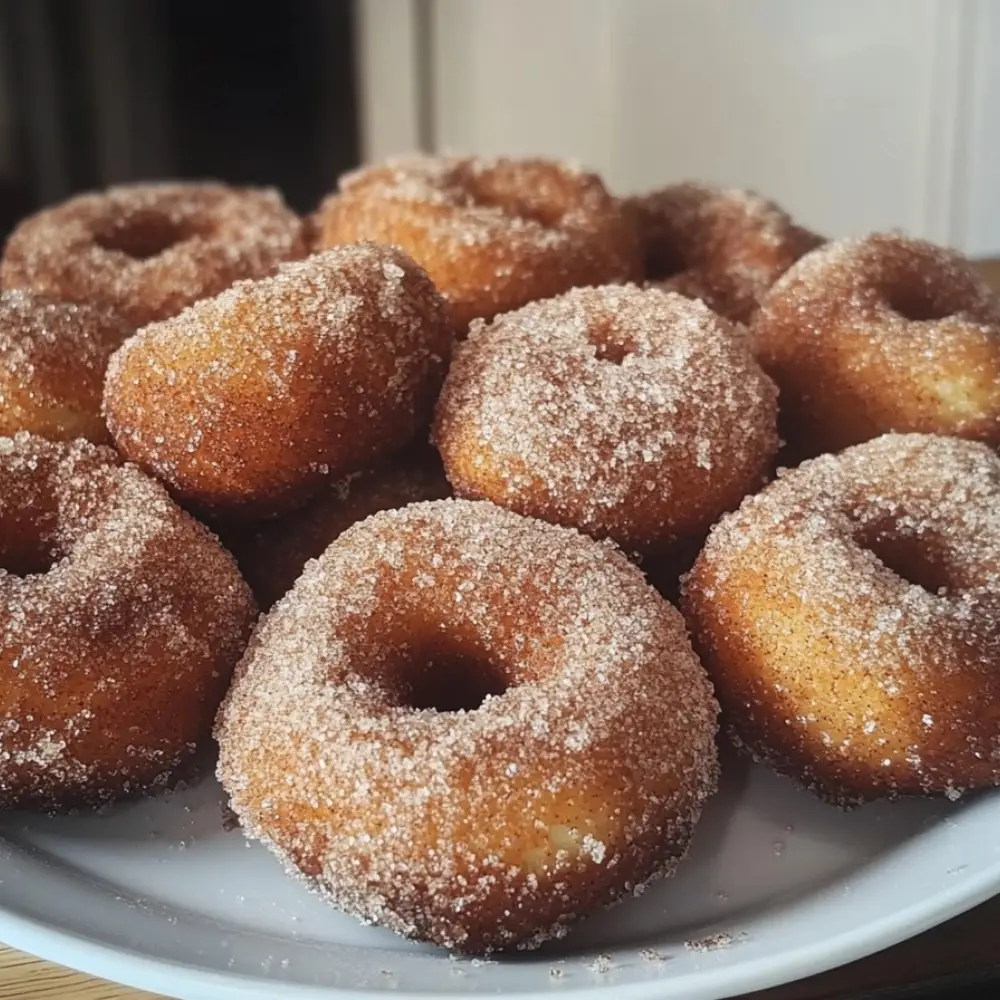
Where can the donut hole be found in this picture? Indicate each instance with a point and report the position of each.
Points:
(144, 236)
(912, 560)
(27, 555)
(29, 532)
(609, 344)
(514, 194)
(453, 684)
(445, 680)
(917, 303)
(614, 354)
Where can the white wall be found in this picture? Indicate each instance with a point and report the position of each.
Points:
(855, 114)
(978, 183)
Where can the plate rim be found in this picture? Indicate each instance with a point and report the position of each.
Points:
(140, 970)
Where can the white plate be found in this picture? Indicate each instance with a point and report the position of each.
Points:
(157, 895)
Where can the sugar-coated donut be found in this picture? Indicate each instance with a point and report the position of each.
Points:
(246, 403)
(850, 617)
(492, 234)
(722, 245)
(52, 361)
(470, 727)
(149, 250)
(884, 333)
(121, 620)
(630, 413)
(272, 553)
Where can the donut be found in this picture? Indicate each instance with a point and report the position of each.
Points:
(121, 620)
(724, 246)
(52, 361)
(885, 333)
(470, 727)
(629, 413)
(246, 403)
(849, 616)
(272, 553)
(149, 250)
(492, 234)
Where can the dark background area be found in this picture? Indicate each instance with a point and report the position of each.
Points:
(97, 92)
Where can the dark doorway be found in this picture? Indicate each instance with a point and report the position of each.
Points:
(98, 92)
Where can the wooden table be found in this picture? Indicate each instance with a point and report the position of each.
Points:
(966, 947)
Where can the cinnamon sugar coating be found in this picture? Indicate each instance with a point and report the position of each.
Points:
(52, 361)
(629, 413)
(272, 553)
(884, 333)
(493, 234)
(850, 617)
(246, 403)
(578, 777)
(121, 620)
(149, 250)
(724, 246)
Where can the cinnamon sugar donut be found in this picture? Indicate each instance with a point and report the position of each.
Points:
(470, 727)
(272, 553)
(880, 334)
(52, 361)
(120, 622)
(246, 403)
(722, 245)
(850, 617)
(492, 234)
(628, 413)
(149, 250)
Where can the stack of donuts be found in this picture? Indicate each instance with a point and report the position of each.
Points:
(392, 504)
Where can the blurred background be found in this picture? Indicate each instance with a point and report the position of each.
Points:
(95, 92)
(854, 114)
